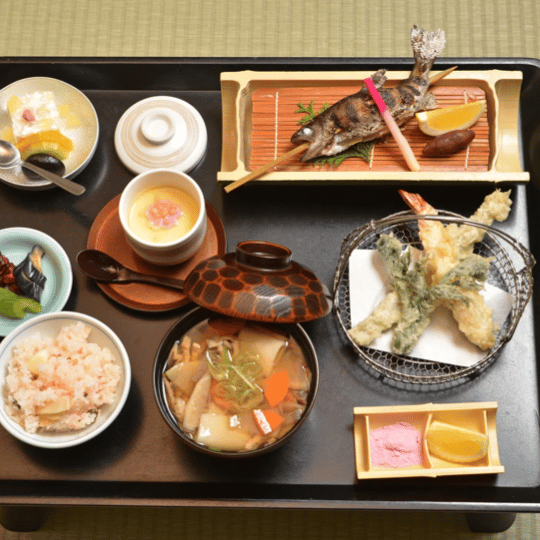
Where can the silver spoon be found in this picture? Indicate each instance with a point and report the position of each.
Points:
(10, 157)
(102, 267)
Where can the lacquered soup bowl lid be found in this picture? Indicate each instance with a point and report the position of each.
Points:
(259, 282)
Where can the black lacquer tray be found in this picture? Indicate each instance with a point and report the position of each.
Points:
(139, 460)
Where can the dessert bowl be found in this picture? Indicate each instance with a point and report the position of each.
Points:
(46, 327)
(84, 135)
(159, 242)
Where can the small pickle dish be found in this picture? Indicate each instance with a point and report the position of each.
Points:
(469, 418)
(237, 376)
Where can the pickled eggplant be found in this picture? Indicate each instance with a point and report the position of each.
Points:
(29, 274)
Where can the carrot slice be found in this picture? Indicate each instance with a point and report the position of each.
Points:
(224, 403)
(226, 326)
(276, 387)
(267, 420)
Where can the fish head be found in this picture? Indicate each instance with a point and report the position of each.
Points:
(316, 135)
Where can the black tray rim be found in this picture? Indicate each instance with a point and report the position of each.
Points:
(520, 499)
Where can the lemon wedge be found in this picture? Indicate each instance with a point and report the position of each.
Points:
(455, 443)
(440, 121)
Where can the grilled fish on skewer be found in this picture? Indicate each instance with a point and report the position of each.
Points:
(356, 118)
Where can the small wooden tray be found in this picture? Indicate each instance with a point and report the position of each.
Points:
(259, 119)
(476, 416)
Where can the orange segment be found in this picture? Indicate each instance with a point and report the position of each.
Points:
(440, 121)
(51, 135)
(49, 142)
(455, 443)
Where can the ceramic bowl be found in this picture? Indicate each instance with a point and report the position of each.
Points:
(15, 244)
(161, 132)
(84, 136)
(49, 325)
(177, 331)
(169, 253)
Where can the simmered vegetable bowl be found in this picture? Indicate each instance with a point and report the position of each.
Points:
(235, 386)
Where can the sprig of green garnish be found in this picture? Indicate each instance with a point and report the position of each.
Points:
(235, 378)
(359, 150)
(309, 112)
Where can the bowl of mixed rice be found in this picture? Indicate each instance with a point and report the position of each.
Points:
(65, 377)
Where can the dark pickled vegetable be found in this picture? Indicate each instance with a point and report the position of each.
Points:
(449, 143)
(29, 274)
(7, 278)
(45, 161)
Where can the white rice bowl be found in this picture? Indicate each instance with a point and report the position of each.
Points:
(95, 367)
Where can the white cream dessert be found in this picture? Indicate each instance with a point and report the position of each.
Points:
(39, 125)
(32, 113)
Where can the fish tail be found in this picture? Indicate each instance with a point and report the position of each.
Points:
(427, 46)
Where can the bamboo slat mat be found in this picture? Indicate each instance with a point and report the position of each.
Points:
(303, 28)
(275, 118)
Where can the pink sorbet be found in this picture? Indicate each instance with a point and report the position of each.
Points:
(396, 445)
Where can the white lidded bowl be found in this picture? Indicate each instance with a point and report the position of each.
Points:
(161, 132)
(182, 248)
(50, 325)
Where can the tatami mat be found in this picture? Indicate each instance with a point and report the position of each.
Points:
(254, 524)
(481, 28)
(303, 28)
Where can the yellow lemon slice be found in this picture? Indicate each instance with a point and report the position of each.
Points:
(440, 121)
(456, 444)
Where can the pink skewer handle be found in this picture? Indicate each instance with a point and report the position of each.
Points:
(402, 142)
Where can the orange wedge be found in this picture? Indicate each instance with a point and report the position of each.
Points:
(455, 443)
(440, 121)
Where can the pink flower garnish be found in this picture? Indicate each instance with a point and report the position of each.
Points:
(163, 214)
(28, 115)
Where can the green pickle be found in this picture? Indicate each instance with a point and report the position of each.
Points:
(15, 306)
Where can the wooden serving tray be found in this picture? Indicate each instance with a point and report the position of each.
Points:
(260, 116)
(475, 416)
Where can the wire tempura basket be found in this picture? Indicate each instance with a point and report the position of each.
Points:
(510, 270)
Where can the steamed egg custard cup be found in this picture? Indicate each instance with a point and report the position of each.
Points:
(167, 253)
(477, 417)
(259, 284)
